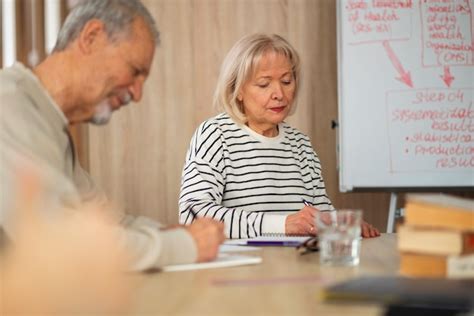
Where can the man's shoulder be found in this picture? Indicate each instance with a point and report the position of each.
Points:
(12, 78)
(13, 93)
(21, 122)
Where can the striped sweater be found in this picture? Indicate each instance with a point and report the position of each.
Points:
(249, 181)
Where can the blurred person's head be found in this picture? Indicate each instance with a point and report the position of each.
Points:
(110, 46)
(258, 82)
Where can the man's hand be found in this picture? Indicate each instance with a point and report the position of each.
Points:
(208, 234)
(302, 222)
(368, 231)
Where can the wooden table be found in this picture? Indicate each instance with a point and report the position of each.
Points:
(285, 283)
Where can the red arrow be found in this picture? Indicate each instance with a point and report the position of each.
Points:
(405, 76)
(447, 77)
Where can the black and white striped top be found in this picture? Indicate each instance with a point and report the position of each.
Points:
(237, 176)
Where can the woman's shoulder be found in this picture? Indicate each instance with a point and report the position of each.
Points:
(219, 123)
(294, 134)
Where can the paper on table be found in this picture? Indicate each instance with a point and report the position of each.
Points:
(223, 260)
(236, 248)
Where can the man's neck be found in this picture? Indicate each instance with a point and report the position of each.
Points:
(57, 77)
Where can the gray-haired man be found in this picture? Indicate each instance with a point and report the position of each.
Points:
(100, 63)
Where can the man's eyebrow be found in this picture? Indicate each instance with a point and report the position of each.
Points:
(142, 70)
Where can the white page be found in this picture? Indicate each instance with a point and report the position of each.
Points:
(223, 260)
(236, 248)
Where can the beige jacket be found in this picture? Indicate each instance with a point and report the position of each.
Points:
(33, 128)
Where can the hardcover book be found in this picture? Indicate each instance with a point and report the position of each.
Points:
(440, 211)
(435, 241)
(433, 266)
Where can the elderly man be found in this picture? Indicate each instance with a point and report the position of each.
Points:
(101, 60)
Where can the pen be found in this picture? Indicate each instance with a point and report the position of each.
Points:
(273, 243)
(309, 204)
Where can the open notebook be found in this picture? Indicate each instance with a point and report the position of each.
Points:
(274, 240)
(223, 260)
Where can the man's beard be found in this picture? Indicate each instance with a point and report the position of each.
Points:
(103, 112)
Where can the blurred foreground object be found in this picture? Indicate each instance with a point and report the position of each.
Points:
(68, 265)
(412, 295)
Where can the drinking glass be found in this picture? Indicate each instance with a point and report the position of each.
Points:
(339, 237)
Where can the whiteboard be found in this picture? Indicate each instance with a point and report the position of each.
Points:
(405, 89)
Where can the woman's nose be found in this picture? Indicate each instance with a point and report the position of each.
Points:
(277, 93)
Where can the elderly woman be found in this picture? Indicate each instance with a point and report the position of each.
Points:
(247, 167)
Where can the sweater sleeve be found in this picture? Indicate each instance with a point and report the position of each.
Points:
(150, 247)
(203, 183)
(320, 198)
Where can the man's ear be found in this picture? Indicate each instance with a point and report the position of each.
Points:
(93, 34)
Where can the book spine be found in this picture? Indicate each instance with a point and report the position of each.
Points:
(437, 242)
(435, 216)
(420, 265)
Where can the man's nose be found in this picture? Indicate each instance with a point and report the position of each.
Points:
(136, 89)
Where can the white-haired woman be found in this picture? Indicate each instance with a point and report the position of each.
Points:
(247, 167)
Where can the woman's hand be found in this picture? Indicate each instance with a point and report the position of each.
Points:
(302, 222)
(368, 231)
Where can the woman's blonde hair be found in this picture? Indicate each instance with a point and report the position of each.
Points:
(241, 63)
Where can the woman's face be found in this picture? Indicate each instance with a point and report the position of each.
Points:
(268, 95)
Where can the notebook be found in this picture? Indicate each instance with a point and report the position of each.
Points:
(269, 240)
(223, 260)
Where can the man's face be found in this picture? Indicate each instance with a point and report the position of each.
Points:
(122, 67)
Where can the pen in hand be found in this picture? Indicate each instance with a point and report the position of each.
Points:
(306, 203)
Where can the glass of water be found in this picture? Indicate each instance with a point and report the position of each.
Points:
(339, 237)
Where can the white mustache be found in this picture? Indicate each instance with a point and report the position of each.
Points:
(103, 112)
(126, 98)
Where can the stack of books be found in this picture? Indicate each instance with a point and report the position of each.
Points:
(437, 237)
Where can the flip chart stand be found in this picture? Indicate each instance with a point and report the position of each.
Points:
(392, 212)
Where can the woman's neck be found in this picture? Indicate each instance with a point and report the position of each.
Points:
(270, 131)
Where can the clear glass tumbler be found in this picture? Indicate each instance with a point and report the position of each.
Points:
(339, 237)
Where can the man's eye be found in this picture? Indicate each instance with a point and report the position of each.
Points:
(135, 71)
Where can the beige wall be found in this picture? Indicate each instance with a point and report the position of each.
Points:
(138, 157)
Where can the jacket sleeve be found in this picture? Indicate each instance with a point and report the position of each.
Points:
(148, 245)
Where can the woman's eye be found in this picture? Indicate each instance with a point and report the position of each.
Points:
(286, 82)
(262, 85)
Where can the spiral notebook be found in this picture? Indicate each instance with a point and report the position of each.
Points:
(270, 240)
